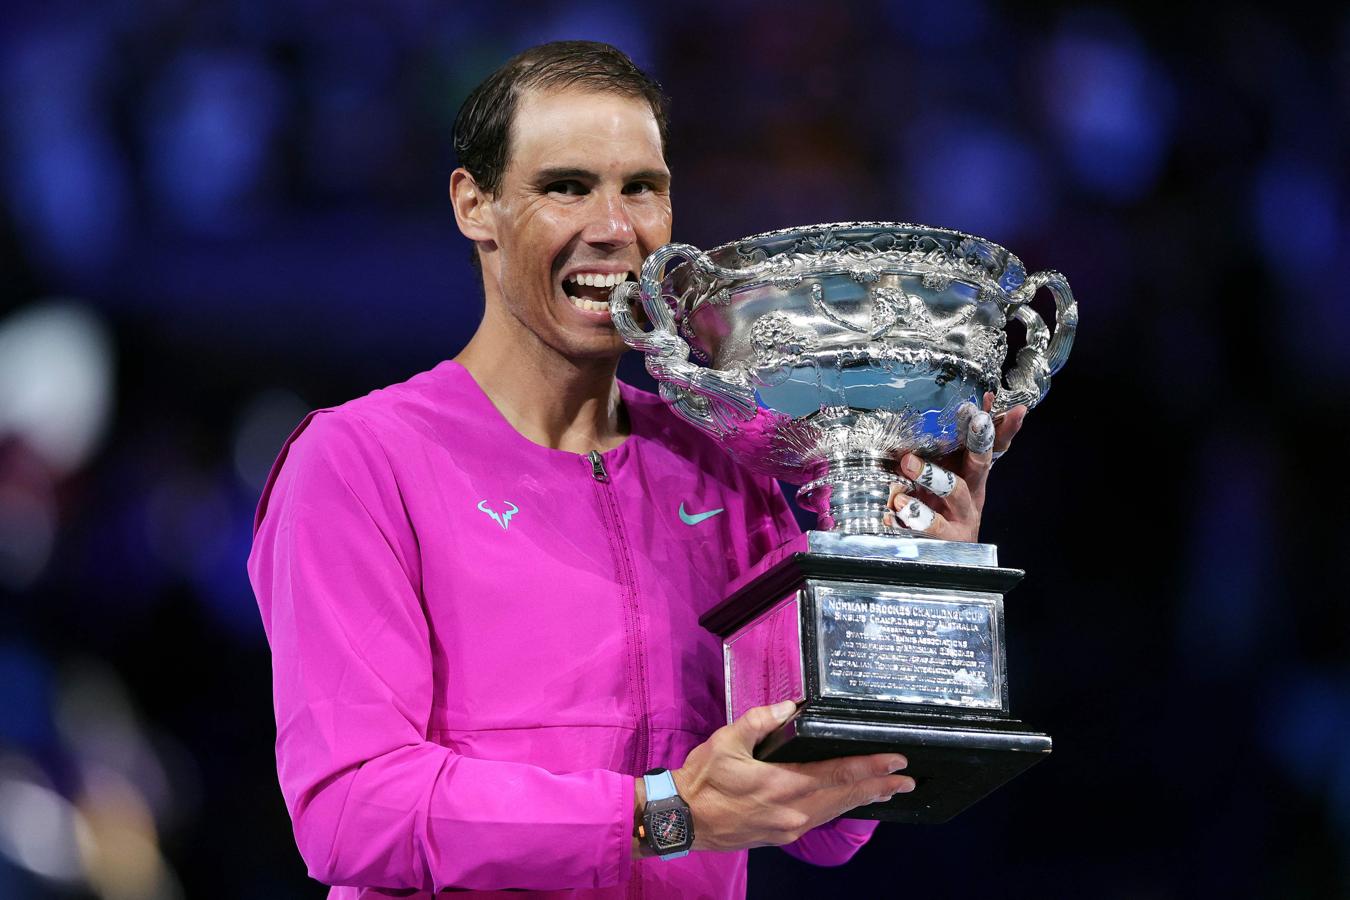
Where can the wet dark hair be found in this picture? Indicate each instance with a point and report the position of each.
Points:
(482, 133)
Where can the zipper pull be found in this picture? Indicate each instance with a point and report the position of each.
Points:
(597, 466)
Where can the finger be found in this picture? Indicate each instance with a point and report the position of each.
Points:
(975, 428)
(927, 475)
(953, 502)
(759, 722)
(915, 515)
(836, 802)
(887, 788)
(842, 772)
(849, 769)
(1006, 429)
(831, 787)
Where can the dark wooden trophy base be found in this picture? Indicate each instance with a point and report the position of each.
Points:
(957, 754)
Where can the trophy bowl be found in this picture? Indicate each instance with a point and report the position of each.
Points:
(834, 349)
(824, 354)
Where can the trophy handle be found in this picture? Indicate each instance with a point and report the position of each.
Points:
(1044, 354)
(712, 399)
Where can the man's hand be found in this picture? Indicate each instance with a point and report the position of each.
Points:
(950, 493)
(738, 801)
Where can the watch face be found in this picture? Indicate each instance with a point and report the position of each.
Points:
(669, 828)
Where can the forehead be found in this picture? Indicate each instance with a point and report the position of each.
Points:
(584, 129)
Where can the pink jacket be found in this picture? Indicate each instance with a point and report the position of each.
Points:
(478, 643)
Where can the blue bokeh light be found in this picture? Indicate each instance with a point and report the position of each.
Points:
(954, 23)
(66, 175)
(26, 697)
(209, 126)
(974, 176)
(1111, 108)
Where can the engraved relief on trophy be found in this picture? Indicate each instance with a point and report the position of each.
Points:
(777, 341)
(889, 309)
(988, 347)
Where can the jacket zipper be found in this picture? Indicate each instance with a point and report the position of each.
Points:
(597, 467)
(634, 630)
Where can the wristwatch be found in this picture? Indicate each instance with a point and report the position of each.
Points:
(667, 824)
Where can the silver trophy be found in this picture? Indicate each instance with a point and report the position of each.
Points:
(831, 351)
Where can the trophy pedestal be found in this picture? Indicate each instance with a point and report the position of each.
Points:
(954, 762)
(888, 644)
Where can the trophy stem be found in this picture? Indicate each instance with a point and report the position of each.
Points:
(851, 496)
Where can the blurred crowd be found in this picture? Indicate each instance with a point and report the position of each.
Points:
(219, 215)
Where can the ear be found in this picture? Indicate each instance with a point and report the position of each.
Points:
(471, 207)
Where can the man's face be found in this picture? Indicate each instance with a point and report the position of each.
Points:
(584, 198)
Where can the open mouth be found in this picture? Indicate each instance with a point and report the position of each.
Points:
(590, 290)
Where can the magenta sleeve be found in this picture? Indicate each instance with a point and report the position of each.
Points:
(373, 802)
(833, 843)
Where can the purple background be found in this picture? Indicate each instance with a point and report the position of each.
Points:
(242, 205)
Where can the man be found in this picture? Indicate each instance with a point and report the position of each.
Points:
(481, 602)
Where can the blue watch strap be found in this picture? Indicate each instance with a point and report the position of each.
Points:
(660, 786)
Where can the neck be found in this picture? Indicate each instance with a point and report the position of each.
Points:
(551, 399)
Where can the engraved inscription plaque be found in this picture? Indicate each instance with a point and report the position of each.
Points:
(909, 645)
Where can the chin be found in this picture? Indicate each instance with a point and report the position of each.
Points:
(570, 344)
(595, 354)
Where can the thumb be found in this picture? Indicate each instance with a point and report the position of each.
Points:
(755, 724)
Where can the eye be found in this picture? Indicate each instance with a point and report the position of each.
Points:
(639, 187)
(568, 187)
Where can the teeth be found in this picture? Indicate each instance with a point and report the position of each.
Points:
(596, 279)
(592, 305)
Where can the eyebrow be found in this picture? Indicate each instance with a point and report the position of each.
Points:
(564, 173)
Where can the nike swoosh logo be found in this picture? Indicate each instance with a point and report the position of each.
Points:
(694, 519)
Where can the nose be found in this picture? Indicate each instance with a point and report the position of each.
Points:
(610, 226)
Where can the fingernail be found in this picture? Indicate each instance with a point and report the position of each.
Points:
(907, 787)
(896, 762)
(782, 711)
(911, 465)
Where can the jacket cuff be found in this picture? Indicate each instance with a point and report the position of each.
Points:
(622, 837)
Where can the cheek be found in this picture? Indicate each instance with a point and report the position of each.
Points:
(530, 224)
(653, 222)
(549, 231)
